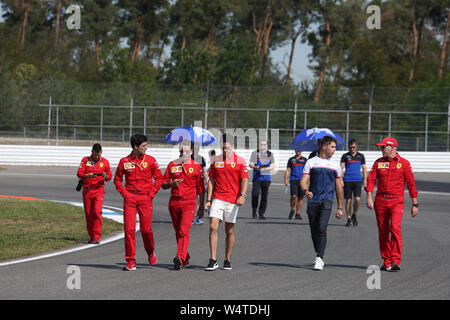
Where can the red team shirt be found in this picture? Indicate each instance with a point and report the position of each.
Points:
(228, 175)
(192, 176)
(139, 174)
(391, 177)
(88, 165)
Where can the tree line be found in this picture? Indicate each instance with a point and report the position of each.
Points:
(227, 42)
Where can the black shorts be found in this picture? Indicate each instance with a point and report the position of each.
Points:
(296, 190)
(352, 188)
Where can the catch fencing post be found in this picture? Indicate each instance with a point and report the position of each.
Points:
(206, 105)
(295, 114)
(370, 117)
(49, 112)
(101, 125)
(131, 108)
(426, 132)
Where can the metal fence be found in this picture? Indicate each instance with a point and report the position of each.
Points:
(55, 112)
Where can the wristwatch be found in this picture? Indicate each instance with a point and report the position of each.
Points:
(244, 195)
(415, 205)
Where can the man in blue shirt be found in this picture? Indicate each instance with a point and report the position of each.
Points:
(294, 172)
(323, 175)
(261, 161)
(352, 162)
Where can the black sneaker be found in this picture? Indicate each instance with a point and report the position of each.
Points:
(385, 268)
(298, 217)
(354, 220)
(129, 267)
(291, 215)
(254, 215)
(227, 265)
(177, 263)
(349, 223)
(262, 217)
(212, 265)
(395, 267)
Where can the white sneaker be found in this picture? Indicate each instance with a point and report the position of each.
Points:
(319, 264)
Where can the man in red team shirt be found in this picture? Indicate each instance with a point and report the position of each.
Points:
(94, 171)
(229, 174)
(392, 171)
(185, 177)
(140, 170)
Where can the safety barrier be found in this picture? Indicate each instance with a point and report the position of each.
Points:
(40, 155)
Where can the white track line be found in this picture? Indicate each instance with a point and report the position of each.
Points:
(120, 236)
(115, 216)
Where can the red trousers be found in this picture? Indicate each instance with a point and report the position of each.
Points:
(389, 213)
(182, 213)
(93, 202)
(143, 205)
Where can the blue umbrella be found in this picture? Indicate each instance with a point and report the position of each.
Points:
(307, 140)
(194, 134)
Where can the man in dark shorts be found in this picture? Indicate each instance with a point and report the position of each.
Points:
(294, 173)
(262, 162)
(352, 162)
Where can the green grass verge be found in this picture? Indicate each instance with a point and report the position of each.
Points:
(31, 227)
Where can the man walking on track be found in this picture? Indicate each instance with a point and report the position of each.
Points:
(185, 177)
(94, 171)
(229, 174)
(353, 161)
(195, 147)
(392, 172)
(324, 177)
(262, 162)
(139, 170)
(294, 172)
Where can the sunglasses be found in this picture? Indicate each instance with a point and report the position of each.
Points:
(382, 147)
(352, 147)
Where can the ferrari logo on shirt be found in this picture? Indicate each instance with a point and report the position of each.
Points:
(383, 165)
(144, 165)
(233, 164)
(101, 164)
(219, 165)
(128, 165)
(399, 165)
(191, 170)
(177, 169)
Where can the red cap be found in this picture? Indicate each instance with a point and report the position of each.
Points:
(389, 141)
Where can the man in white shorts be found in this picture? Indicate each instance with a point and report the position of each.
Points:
(229, 175)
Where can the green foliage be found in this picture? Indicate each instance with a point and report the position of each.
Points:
(222, 41)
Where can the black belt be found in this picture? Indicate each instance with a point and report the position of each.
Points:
(388, 196)
(138, 191)
(92, 188)
(177, 198)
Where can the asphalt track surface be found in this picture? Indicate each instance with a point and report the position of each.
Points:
(272, 259)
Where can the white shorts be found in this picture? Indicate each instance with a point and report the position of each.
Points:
(223, 210)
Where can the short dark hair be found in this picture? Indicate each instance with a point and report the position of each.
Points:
(352, 141)
(326, 141)
(97, 147)
(188, 143)
(212, 152)
(137, 139)
(228, 138)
